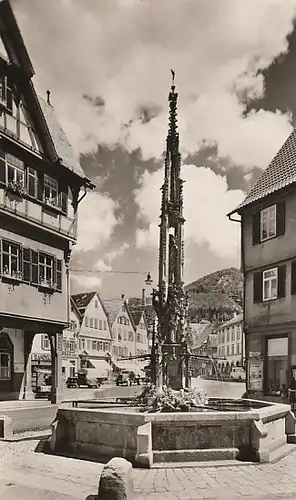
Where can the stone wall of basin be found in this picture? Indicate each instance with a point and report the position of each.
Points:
(143, 438)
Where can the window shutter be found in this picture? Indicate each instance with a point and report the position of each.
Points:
(59, 268)
(281, 281)
(293, 278)
(256, 228)
(257, 287)
(26, 265)
(280, 218)
(35, 268)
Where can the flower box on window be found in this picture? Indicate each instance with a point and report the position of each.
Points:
(11, 274)
(46, 284)
(52, 203)
(16, 187)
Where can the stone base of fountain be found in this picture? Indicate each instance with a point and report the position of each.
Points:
(259, 432)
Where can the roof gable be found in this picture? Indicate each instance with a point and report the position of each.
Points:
(52, 143)
(81, 300)
(280, 173)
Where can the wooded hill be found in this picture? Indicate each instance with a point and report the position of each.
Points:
(216, 296)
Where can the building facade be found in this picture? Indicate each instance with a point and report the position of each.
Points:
(141, 333)
(122, 328)
(40, 181)
(70, 356)
(203, 348)
(268, 231)
(94, 336)
(231, 344)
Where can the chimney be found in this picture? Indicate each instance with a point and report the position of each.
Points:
(124, 298)
(143, 296)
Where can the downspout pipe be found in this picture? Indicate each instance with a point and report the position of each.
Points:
(244, 338)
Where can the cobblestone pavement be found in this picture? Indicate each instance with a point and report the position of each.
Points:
(27, 474)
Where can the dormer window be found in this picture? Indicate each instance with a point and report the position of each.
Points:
(6, 94)
(51, 191)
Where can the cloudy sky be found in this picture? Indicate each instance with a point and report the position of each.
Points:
(107, 64)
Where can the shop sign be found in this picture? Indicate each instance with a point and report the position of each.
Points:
(36, 356)
(255, 375)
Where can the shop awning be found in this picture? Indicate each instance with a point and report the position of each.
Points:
(99, 368)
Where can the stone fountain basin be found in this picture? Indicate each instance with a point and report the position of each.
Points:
(255, 431)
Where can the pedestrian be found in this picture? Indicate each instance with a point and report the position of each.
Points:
(292, 391)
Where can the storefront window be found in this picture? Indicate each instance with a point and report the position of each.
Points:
(4, 365)
(277, 365)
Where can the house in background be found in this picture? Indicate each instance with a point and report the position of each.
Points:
(141, 332)
(130, 334)
(231, 344)
(40, 182)
(205, 346)
(268, 233)
(70, 359)
(122, 328)
(94, 337)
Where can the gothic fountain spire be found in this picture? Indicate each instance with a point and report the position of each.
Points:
(170, 301)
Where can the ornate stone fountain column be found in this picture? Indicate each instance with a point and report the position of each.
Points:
(170, 301)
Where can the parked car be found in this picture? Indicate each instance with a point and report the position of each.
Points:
(124, 378)
(238, 373)
(81, 380)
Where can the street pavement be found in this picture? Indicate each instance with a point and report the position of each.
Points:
(27, 474)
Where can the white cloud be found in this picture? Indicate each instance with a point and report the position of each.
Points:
(96, 221)
(123, 50)
(84, 282)
(105, 263)
(207, 200)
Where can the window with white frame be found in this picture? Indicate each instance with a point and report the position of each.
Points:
(45, 344)
(105, 325)
(91, 322)
(100, 324)
(96, 323)
(15, 171)
(6, 94)
(46, 270)
(270, 284)
(51, 191)
(268, 223)
(4, 365)
(11, 262)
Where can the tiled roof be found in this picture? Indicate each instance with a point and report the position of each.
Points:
(280, 173)
(113, 308)
(203, 337)
(81, 300)
(61, 143)
(136, 315)
(237, 319)
(150, 314)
